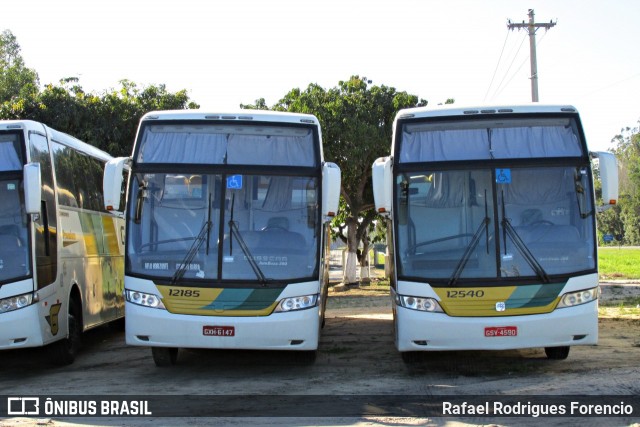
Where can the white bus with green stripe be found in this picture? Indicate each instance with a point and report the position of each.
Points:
(61, 252)
(492, 235)
(227, 231)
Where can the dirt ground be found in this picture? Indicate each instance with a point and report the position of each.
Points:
(356, 357)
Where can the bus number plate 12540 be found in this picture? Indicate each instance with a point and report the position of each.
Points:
(501, 331)
(219, 331)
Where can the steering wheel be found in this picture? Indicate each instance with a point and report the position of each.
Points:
(542, 222)
(273, 227)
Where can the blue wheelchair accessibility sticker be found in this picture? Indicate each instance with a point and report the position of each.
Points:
(234, 182)
(503, 176)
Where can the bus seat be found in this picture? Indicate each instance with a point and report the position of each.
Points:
(277, 222)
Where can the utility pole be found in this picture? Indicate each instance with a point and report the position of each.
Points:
(531, 27)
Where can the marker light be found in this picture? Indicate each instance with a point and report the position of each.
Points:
(419, 303)
(143, 299)
(15, 303)
(580, 297)
(297, 303)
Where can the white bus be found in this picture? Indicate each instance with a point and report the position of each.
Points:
(61, 252)
(492, 229)
(227, 232)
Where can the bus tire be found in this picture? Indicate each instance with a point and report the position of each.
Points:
(557, 353)
(307, 357)
(164, 356)
(410, 357)
(65, 351)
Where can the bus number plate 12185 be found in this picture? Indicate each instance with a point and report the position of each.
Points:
(501, 331)
(219, 331)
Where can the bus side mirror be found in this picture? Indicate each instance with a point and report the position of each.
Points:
(331, 181)
(32, 188)
(609, 178)
(112, 183)
(382, 185)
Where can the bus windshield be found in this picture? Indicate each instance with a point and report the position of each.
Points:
(525, 222)
(248, 227)
(14, 253)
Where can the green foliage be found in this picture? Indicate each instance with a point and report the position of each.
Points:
(357, 121)
(624, 219)
(108, 121)
(15, 78)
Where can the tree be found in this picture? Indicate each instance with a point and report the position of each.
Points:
(15, 78)
(108, 121)
(624, 219)
(357, 121)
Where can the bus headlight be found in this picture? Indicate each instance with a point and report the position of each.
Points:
(143, 299)
(15, 303)
(418, 303)
(297, 303)
(576, 298)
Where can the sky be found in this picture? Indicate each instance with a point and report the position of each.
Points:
(227, 53)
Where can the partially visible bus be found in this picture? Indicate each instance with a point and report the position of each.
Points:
(492, 229)
(227, 232)
(61, 252)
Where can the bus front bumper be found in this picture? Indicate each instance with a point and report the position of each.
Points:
(20, 328)
(421, 331)
(296, 330)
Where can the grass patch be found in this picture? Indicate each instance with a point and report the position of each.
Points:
(619, 312)
(628, 302)
(619, 263)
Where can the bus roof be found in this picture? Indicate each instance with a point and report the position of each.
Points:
(453, 110)
(240, 115)
(55, 135)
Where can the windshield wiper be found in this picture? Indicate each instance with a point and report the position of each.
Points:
(247, 253)
(235, 232)
(467, 253)
(484, 225)
(204, 234)
(521, 246)
(193, 250)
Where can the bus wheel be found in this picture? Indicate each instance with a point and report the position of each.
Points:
(557, 353)
(410, 357)
(307, 357)
(65, 351)
(164, 356)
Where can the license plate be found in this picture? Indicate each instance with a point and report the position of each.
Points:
(219, 331)
(501, 331)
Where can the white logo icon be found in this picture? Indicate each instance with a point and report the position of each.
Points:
(23, 406)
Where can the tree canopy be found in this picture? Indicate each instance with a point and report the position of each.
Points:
(109, 121)
(357, 121)
(623, 220)
(15, 78)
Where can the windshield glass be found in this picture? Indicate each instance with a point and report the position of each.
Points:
(438, 215)
(14, 253)
(494, 223)
(195, 226)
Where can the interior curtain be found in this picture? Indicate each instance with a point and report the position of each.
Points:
(9, 160)
(183, 147)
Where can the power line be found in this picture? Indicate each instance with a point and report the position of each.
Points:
(515, 73)
(496, 70)
(506, 73)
